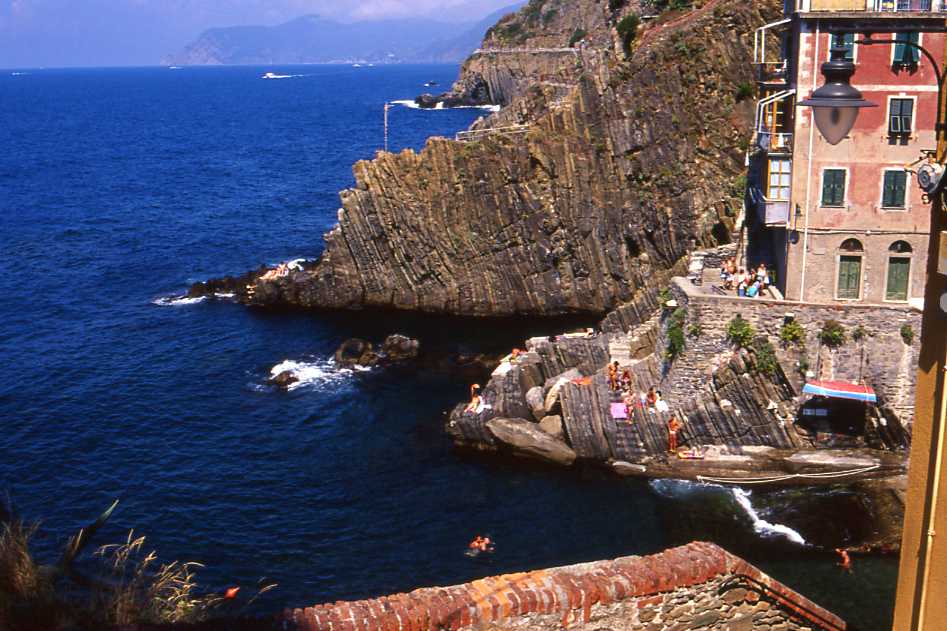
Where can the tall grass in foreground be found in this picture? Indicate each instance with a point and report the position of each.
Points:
(125, 585)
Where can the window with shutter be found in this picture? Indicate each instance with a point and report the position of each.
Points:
(833, 187)
(900, 116)
(904, 54)
(894, 189)
(849, 277)
(899, 271)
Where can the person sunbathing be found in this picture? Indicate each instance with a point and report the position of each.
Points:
(474, 399)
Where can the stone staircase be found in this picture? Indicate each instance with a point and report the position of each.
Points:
(630, 348)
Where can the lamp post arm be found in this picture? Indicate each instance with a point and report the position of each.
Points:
(937, 70)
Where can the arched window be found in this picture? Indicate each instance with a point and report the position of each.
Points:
(900, 247)
(849, 270)
(898, 280)
(851, 245)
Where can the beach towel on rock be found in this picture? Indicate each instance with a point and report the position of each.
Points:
(618, 410)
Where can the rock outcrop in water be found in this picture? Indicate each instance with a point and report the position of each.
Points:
(616, 169)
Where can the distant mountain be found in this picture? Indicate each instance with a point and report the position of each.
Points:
(312, 39)
(459, 48)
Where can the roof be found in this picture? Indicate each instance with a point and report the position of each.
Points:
(841, 390)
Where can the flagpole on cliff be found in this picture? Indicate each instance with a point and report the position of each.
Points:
(387, 107)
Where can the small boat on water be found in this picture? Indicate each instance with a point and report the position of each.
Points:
(430, 84)
(273, 75)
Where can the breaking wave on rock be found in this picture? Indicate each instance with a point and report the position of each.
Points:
(684, 489)
(313, 373)
(440, 106)
(183, 301)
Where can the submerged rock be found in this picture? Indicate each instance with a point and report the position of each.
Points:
(285, 379)
(527, 439)
(399, 347)
(355, 352)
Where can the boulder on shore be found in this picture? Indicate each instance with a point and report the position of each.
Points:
(536, 402)
(527, 439)
(552, 425)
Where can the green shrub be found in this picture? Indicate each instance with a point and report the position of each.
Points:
(675, 333)
(577, 36)
(628, 30)
(832, 334)
(766, 360)
(664, 296)
(907, 333)
(549, 16)
(859, 333)
(694, 330)
(792, 333)
(803, 365)
(740, 332)
(744, 91)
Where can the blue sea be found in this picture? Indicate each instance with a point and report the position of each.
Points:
(119, 188)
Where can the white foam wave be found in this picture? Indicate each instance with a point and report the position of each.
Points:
(683, 489)
(311, 373)
(178, 301)
(760, 525)
(440, 106)
(18, 74)
(273, 75)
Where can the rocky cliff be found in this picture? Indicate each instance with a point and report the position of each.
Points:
(608, 178)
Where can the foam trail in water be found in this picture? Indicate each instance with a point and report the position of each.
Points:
(762, 526)
(178, 301)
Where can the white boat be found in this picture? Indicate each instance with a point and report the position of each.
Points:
(273, 75)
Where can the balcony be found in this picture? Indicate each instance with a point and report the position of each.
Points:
(771, 71)
(770, 212)
(873, 6)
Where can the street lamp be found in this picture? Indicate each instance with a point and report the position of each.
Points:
(836, 104)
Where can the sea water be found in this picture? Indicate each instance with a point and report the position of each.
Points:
(118, 188)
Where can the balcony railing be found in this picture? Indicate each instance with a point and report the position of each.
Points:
(880, 6)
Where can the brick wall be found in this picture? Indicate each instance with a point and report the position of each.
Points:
(881, 358)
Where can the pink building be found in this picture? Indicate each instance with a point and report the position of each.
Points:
(845, 223)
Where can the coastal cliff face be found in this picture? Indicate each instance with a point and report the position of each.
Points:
(604, 185)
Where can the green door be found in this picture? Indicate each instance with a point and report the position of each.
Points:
(898, 271)
(849, 275)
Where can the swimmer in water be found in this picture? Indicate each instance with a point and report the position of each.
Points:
(846, 562)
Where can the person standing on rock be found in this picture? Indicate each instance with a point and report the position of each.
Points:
(674, 426)
(474, 399)
(613, 376)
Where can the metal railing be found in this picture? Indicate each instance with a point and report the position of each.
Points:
(773, 142)
(476, 134)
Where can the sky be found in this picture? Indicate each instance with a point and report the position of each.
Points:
(37, 33)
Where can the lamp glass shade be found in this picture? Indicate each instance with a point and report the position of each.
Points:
(834, 122)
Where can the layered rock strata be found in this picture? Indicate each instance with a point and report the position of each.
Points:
(600, 190)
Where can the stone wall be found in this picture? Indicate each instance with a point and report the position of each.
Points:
(881, 358)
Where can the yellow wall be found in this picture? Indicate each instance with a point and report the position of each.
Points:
(838, 5)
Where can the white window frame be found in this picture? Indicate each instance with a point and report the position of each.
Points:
(828, 48)
(844, 205)
(901, 96)
(891, 255)
(907, 192)
(769, 173)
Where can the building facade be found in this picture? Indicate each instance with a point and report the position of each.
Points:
(845, 223)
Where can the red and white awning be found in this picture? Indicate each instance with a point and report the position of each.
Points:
(841, 390)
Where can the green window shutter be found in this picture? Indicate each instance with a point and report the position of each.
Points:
(898, 272)
(833, 187)
(905, 55)
(894, 190)
(849, 275)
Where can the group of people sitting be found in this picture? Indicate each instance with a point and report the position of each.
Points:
(282, 270)
(620, 383)
(748, 283)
